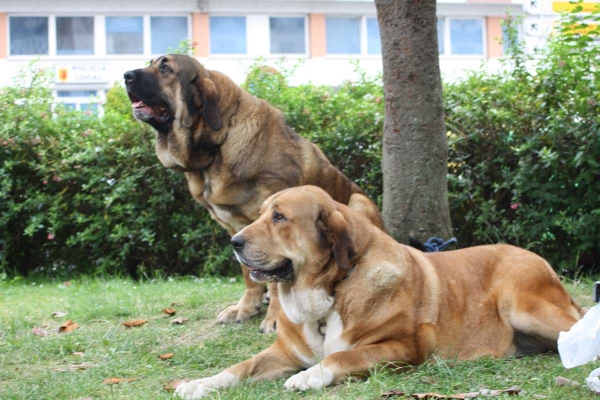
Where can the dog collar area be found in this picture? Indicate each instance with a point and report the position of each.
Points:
(347, 274)
(322, 327)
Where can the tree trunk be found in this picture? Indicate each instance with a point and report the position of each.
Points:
(415, 148)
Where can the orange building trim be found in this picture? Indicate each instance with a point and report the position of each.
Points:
(200, 34)
(3, 35)
(494, 35)
(318, 41)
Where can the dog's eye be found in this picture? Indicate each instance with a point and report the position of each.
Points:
(277, 216)
(164, 68)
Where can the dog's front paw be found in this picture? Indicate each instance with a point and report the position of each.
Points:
(315, 377)
(268, 325)
(191, 390)
(237, 313)
(248, 306)
(200, 388)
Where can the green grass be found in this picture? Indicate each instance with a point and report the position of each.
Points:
(30, 365)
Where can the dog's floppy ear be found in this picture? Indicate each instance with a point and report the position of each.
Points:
(335, 229)
(210, 103)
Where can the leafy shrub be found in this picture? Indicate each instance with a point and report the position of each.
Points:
(525, 150)
(88, 195)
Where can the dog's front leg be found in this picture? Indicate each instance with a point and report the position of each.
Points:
(250, 303)
(269, 324)
(269, 364)
(337, 366)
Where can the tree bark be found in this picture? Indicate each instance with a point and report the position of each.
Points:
(415, 148)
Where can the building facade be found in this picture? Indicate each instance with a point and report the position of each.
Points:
(89, 45)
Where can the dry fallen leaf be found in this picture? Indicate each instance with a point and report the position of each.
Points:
(114, 381)
(68, 326)
(171, 386)
(169, 311)
(73, 367)
(561, 381)
(512, 391)
(39, 332)
(77, 353)
(166, 356)
(58, 314)
(179, 320)
(134, 323)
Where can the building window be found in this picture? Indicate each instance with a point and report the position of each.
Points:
(228, 35)
(124, 35)
(79, 100)
(288, 35)
(343, 35)
(166, 33)
(74, 35)
(373, 36)
(28, 36)
(461, 36)
(466, 36)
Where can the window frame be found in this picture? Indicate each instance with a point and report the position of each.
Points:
(28, 56)
(306, 53)
(94, 34)
(145, 37)
(99, 37)
(230, 55)
(447, 54)
(148, 24)
(363, 35)
(99, 98)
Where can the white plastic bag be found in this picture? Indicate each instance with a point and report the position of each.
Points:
(593, 382)
(582, 343)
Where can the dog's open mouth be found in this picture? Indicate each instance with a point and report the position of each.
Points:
(144, 112)
(284, 272)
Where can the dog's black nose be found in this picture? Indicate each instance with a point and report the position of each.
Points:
(129, 76)
(238, 242)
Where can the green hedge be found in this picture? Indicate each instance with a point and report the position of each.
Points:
(80, 194)
(525, 150)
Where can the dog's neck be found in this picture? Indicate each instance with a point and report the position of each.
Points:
(311, 297)
(304, 305)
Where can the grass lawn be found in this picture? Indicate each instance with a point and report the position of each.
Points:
(36, 367)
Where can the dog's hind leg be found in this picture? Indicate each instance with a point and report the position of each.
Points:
(538, 318)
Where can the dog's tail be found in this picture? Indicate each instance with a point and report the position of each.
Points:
(417, 244)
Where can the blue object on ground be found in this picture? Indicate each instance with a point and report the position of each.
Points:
(435, 244)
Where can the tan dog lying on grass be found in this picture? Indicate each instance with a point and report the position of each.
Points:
(352, 297)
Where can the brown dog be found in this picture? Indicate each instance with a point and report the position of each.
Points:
(235, 150)
(353, 297)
